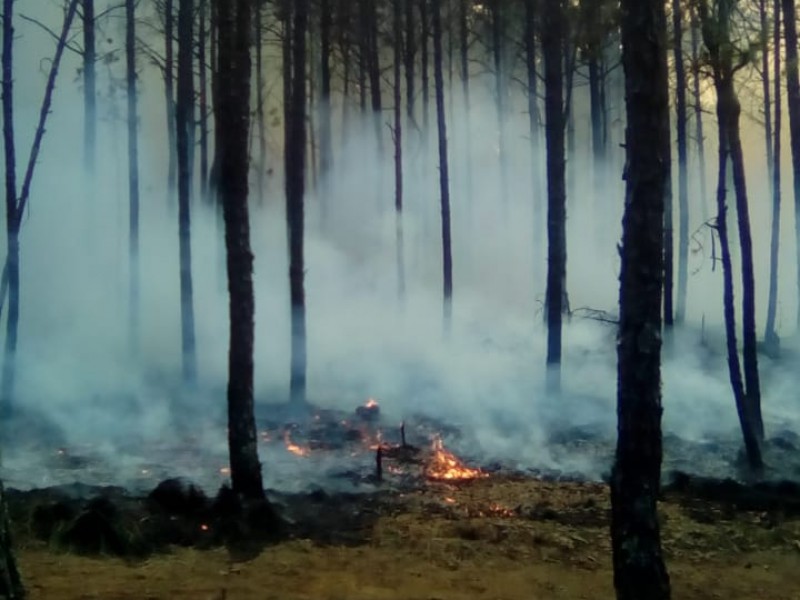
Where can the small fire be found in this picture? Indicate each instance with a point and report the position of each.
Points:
(294, 448)
(445, 466)
(225, 471)
(371, 403)
(203, 527)
(449, 500)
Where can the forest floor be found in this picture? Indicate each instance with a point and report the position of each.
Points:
(498, 538)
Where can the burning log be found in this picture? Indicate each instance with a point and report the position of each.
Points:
(369, 412)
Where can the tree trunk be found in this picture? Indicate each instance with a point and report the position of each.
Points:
(133, 173)
(639, 570)
(410, 57)
(11, 587)
(534, 133)
(169, 92)
(295, 190)
(398, 146)
(89, 90)
(325, 145)
(373, 62)
(716, 34)
(444, 177)
(465, 93)
(500, 95)
(683, 173)
(698, 116)
(233, 111)
(424, 27)
(202, 59)
(552, 35)
(771, 339)
(793, 101)
(183, 124)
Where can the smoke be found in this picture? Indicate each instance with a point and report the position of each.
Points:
(80, 386)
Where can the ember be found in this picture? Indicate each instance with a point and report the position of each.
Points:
(292, 447)
(445, 466)
(371, 411)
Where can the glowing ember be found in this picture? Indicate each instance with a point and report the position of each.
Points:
(445, 466)
(225, 471)
(204, 527)
(449, 500)
(371, 403)
(294, 448)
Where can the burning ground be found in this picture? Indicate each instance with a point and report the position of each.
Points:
(376, 508)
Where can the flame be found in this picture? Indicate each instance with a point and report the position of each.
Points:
(371, 403)
(449, 500)
(225, 471)
(294, 448)
(444, 465)
(203, 527)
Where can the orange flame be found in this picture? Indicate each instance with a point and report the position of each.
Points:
(445, 466)
(294, 448)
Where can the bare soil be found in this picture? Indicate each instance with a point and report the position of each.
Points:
(499, 538)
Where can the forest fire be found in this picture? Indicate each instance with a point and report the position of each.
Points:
(445, 466)
(292, 447)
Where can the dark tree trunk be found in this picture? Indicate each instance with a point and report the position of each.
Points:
(325, 144)
(463, 27)
(11, 587)
(410, 57)
(183, 125)
(345, 48)
(793, 102)
(16, 204)
(771, 339)
(424, 28)
(698, 116)
(716, 35)
(444, 177)
(683, 173)
(233, 111)
(500, 93)
(596, 115)
(133, 173)
(202, 59)
(373, 61)
(258, 18)
(169, 92)
(639, 570)
(295, 190)
(89, 90)
(534, 133)
(765, 90)
(398, 145)
(552, 35)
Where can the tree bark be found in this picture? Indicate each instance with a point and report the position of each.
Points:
(639, 570)
(202, 95)
(552, 35)
(133, 173)
(169, 92)
(683, 171)
(716, 35)
(398, 146)
(793, 102)
(89, 90)
(295, 190)
(534, 133)
(771, 339)
(698, 115)
(444, 177)
(325, 144)
(183, 125)
(500, 93)
(233, 111)
(410, 57)
(424, 27)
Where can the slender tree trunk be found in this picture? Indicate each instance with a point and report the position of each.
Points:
(398, 146)
(424, 28)
(375, 75)
(89, 90)
(500, 94)
(639, 570)
(793, 102)
(771, 339)
(183, 124)
(11, 587)
(552, 35)
(133, 173)
(698, 116)
(764, 23)
(683, 172)
(233, 111)
(295, 190)
(716, 34)
(409, 58)
(444, 177)
(534, 133)
(596, 116)
(258, 23)
(465, 94)
(169, 92)
(202, 59)
(325, 145)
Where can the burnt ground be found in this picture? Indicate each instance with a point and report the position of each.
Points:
(498, 537)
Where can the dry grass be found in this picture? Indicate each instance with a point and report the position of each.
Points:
(488, 540)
